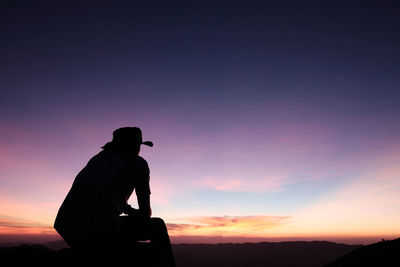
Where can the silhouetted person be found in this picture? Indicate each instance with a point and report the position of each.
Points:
(90, 214)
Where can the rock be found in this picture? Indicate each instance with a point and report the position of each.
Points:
(138, 254)
(385, 253)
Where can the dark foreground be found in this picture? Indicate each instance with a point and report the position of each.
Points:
(318, 253)
(385, 253)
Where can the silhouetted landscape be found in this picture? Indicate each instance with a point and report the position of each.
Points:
(309, 254)
(315, 253)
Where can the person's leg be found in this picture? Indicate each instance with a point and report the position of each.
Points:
(159, 238)
(153, 229)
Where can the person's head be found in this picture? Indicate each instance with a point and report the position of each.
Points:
(127, 139)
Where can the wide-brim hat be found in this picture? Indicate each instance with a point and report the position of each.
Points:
(127, 136)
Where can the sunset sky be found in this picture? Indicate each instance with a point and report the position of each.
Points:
(269, 121)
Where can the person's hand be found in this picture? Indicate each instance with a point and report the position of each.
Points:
(130, 211)
(133, 212)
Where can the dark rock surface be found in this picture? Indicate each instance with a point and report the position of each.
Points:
(385, 253)
(275, 254)
(38, 255)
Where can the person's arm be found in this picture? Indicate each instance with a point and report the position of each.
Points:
(143, 190)
(144, 204)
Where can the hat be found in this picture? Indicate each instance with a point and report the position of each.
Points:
(126, 136)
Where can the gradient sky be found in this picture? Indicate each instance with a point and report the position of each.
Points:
(270, 121)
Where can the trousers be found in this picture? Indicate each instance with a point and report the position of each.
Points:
(133, 229)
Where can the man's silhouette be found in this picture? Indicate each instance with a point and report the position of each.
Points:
(90, 214)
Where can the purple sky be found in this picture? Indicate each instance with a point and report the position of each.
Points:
(280, 115)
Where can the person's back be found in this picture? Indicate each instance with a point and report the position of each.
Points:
(90, 217)
(90, 213)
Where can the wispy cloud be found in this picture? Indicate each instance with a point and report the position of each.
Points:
(275, 183)
(227, 225)
(12, 225)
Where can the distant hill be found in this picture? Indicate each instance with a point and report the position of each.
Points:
(275, 254)
(307, 254)
(385, 253)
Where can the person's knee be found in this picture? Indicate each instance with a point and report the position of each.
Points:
(157, 221)
(159, 224)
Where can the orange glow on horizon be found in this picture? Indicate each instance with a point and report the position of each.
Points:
(215, 230)
(227, 225)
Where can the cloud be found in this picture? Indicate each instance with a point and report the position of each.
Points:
(9, 221)
(274, 183)
(12, 225)
(22, 210)
(226, 225)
